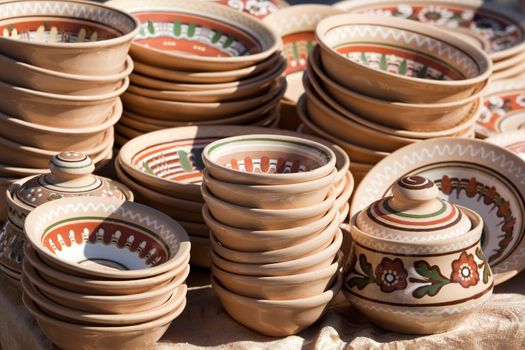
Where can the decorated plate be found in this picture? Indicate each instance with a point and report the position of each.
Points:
(503, 29)
(504, 108)
(256, 8)
(472, 173)
(514, 141)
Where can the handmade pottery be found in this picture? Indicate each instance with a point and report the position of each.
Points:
(308, 263)
(115, 221)
(342, 199)
(514, 141)
(513, 72)
(85, 38)
(503, 28)
(61, 111)
(11, 247)
(419, 258)
(195, 229)
(259, 9)
(297, 286)
(255, 241)
(276, 318)
(71, 336)
(197, 36)
(472, 173)
(267, 159)
(200, 252)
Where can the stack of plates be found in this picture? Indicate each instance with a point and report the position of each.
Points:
(372, 99)
(495, 28)
(104, 273)
(198, 63)
(63, 67)
(271, 208)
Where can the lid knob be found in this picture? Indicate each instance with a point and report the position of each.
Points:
(415, 188)
(71, 166)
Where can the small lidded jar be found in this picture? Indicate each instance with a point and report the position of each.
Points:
(416, 264)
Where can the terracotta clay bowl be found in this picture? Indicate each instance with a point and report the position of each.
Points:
(174, 39)
(303, 194)
(105, 304)
(308, 263)
(71, 336)
(98, 247)
(71, 50)
(58, 139)
(402, 61)
(91, 286)
(265, 219)
(81, 317)
(200, 252)
(258, 240)
(11, 247)
(406, 116)
(343, 199)
(54, 110)
(276, 318)
(195, 111)
(195, 229)
(56, 82)
(317, 243)
(303, 285)
(267, 160)
(235, 76)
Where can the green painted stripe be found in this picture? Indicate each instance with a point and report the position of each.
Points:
(184, 160)
(383, 64)
(310, 45)
(391, 210)
(147, 167)
(151, 27)
(422, 72)
(177, 28)
(216, 37)
(364, 59)
(191, 29)
(403, 67)
(229, 41)
(295, 50)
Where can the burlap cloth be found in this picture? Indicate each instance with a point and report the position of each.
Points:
(499, 324)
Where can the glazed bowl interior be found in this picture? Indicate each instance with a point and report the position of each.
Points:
(106, 237)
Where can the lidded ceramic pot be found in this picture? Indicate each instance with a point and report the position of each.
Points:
(416, 264)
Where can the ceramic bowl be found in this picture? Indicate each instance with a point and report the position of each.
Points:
(265, 219)
(81, 317)
(92, 286)
(56, 82)
(317, 243)
(303, 285)
(267, 160)
(276, 318)
(98, 246)
(71, 336)
(71, 50)
(259, 10)
(176, 39)
(11, 247)
(402, 61)
(105, 304)
(342, 200)
(308, 263)
(414, 117)
(195, 229)
(61, 111)
(200, 252)
(300, 195)
(236, 76)
(195, 111)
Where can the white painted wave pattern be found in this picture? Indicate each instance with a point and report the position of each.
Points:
(304, 21)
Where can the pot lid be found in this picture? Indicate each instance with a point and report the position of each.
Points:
(414, 211)
(71, 175)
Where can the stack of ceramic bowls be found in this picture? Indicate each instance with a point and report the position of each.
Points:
(63, 65)
(71, 175)
(270, 206)
(401, 87)
(103, 273)
(164, 170)
(495, 28)
(198, 63)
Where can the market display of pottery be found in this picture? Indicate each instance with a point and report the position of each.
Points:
(497, 30)
(211, 65)
(66, 97)
(257, 187)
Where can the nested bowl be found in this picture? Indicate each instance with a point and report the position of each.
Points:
(198, 36)
(71, 336)
(55, 110)
(315, 261)
(265, 219)
(92, 286)
(302, 285)
(256, 241)
(103, 237)
(200, 251)
(299, 195)
(276, 318)
(84, 37)
(95, 319)
(311, 246)
(400, 60)
(105, 304)
(267, 159)
(57, 82)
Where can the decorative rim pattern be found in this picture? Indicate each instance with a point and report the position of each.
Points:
(514, 141)
(256, 8)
